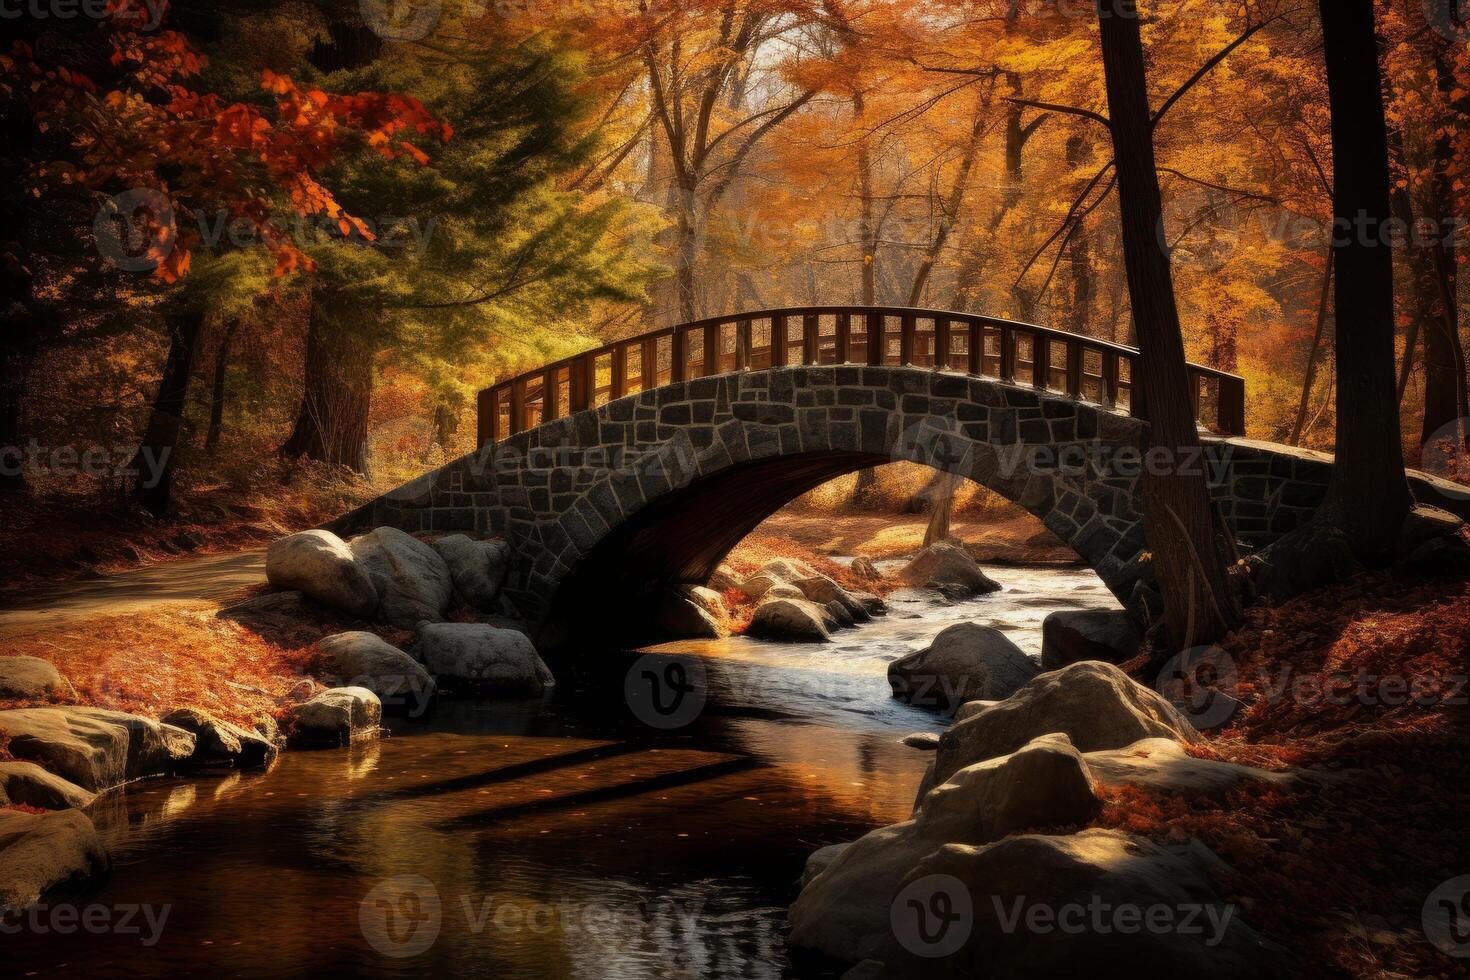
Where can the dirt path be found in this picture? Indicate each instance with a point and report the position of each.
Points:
(195, 581)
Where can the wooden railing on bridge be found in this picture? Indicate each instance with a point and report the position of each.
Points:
(1084, 368)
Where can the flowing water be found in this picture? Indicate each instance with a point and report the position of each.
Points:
(580, 837)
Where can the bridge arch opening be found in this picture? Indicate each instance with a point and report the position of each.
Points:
(681, 538)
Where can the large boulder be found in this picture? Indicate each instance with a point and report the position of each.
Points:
(964, 663)
(825, 591)
(32, 679)
(39, 851)
(678, 616)
(791, 620)
(319, 564)
(947, 564)
(338, 716)
(362, 659)
(27, 784)
(709, 600)
(93, 747)
(1095, 704)
(477, 568)
(479, 656)
(843, 910)
(1073, 635)
(221, 743)
(414, 584)
(862, 566)
(1099, 902)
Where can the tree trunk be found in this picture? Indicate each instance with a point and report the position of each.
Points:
(940, 517)
(154, 462)
(1079, 310)
(687, 253)
(1368, 494)
(12, 389)
(1178, 517)
(1309, 377)
(332, 424)
(867, 229)
(217, 393)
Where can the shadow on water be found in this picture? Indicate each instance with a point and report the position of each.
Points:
(563, 838)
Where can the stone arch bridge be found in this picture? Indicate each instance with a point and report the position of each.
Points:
(641, 464)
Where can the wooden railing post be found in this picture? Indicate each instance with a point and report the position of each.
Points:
(977, 347)
(1110, 379)
(679, 356)
(517, 405)
(906, 339)
(550, 396)
(1076, 355)
(488, 429)
(650, 364)
(1007, 354)
(941, 343)
(1040, 361)
(1194, 383)
(844, 337)
(778, 340)
(712, 333)
(811, 340)
(742, 345)
(1232, 406)
(877, 341)
(1137, 403)
(619, 372)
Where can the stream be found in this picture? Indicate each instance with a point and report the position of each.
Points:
(579, 837)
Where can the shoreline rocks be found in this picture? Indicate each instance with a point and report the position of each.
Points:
(965, 662)
(337, 716)
(483, 658)
(946, 565)
(1095, 704)
(792, 621)
(32, 679)
(362, 659)
(320, 565)
(93, 747)
(220, 743)
(478, 569)
(1074, 635)
(413, 582)
(41, 851)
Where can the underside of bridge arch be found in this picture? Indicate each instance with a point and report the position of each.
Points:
(680, 539)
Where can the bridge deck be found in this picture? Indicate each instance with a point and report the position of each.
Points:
(1084, 368)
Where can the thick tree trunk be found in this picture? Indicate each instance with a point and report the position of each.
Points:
(1178, 517)
(217, 391)
(332, 424)
(867, 227)
(687, 253)
(155, 461)
(1368, 495)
